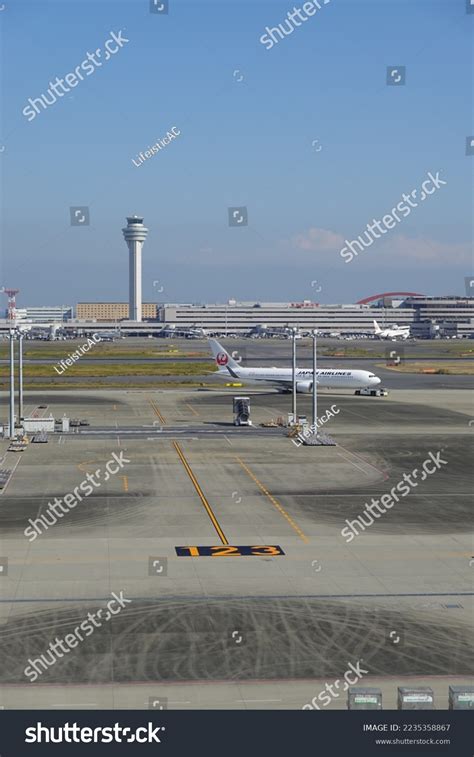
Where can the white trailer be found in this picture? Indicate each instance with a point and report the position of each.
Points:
(32, 425)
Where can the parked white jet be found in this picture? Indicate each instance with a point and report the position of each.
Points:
(395, 332)
(187, 333)
(326, 377)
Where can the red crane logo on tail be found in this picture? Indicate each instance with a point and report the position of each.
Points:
(222, 358)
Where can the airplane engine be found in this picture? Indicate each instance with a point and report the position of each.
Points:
(304, 387)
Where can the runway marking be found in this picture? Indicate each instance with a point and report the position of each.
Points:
(125, 483)
(258, 700)
(261, 550)
(202, 497)
(384, 491)
(160, 439)
(210, 597)
(272, 499)
(191, 408)
(156, 410)
(83, 466)
(11, 474)
(383, 473)
(77, 704)
(353, 463)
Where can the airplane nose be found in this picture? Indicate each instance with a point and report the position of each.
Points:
(375, 381)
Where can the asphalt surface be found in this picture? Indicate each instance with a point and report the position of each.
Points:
(244, 632)
(271, 352)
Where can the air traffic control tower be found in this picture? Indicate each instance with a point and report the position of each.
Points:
(135, 234)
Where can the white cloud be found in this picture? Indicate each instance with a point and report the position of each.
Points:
(389, 249)
(318, 240)
(424, 250)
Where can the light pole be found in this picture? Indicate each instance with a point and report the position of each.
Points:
(20, 376)
(12, 385)
(315, 381)
(294, 374)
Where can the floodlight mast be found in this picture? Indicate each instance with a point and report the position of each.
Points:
(315, 383)
(294, 374)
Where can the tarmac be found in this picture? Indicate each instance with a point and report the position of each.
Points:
(264, 629)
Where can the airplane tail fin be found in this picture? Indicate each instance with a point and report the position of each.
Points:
(224, 361)
(377, 327)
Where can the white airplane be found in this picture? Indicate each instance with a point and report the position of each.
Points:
(326, 377)
(396, 332)
(177, 332)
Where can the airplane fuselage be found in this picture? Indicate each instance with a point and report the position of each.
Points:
(331, 378)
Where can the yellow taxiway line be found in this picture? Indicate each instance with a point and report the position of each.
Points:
(156, 410)
(202, 497)
(272, 499)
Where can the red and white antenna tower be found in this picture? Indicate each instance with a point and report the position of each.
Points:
(11, 294)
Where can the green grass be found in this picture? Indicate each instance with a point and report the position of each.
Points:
(82, 369)
(459, 368)
(454, 350)
(61, 350)
(59, 385)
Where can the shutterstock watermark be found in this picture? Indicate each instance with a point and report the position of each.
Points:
(60, 507)
(325, 697)
(33, 670)
(58, 89)
(389, 221)
(294, 18)
(376, 508)
(72, 733)
(73, 357)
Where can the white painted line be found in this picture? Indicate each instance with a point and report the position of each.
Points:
(77, 704)
(258, 700)
(188, 438)
(371, 494)
(353, 463)
(370, 465)
(11, 475)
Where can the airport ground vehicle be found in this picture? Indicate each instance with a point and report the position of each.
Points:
(372, 392)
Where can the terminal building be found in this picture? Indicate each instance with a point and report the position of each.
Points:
(44, 313)
(112, 311)
(427, 316)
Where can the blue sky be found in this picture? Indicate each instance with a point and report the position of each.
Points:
(247, 139)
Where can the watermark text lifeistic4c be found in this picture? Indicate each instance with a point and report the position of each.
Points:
(159, 145)
(308, 431)
(77, 354)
